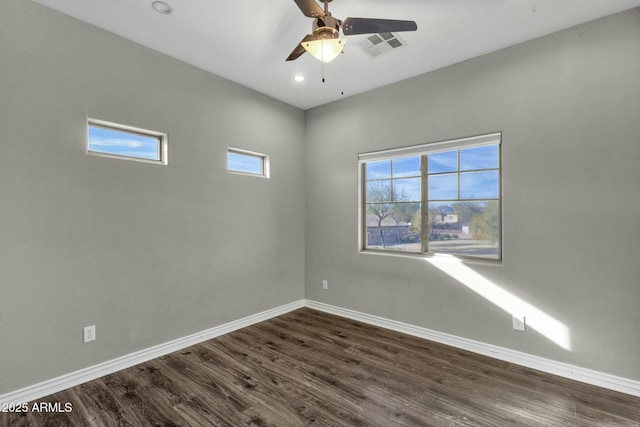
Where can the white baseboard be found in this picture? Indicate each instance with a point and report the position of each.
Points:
(73, 379)
(561, 369)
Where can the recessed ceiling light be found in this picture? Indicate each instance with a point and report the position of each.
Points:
(162, 7)
(299, 78)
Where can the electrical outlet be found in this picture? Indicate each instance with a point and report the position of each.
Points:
(519, 323)
(325, 285)
(89, 333)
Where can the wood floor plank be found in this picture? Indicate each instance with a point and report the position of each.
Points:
(308, 368)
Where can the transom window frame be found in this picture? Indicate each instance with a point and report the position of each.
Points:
(161, 138)
(264, 159)
(423, 150)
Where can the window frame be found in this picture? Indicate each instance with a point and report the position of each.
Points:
(264, 159)
(423, 150)
(162, 138)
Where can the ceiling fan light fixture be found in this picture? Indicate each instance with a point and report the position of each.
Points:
(326, 50)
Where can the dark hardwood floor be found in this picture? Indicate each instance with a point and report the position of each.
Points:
(311, 368)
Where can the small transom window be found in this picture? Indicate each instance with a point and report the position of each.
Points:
(247, 162)
(126, 142)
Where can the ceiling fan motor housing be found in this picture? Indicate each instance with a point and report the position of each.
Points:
(326, 27)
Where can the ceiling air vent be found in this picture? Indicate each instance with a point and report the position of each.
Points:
(378, 44)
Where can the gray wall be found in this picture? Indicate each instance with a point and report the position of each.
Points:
(567, 105)
(147, 253)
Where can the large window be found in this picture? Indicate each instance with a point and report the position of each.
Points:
(126, 142)
(441, 198)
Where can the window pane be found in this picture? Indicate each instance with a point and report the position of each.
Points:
(393, 226)
(379, 191)
(378, 170)
(466, 229)
(443, 162)
(244, 163)
(408, 166)
(123, 143)
(443, 187)
(407, 189)
(479, 185)
(479, 158)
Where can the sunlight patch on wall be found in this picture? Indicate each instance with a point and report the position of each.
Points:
(551, 328)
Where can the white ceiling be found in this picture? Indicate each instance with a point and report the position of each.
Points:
(247, 41)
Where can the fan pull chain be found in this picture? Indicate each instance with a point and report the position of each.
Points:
(342, 74)
(325, 7)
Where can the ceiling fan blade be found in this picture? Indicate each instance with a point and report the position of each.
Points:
(353, 26)
(299, 50)
(310, 8)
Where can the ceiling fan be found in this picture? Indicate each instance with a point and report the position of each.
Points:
(325, 43)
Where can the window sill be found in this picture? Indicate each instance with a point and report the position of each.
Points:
(436, 258)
